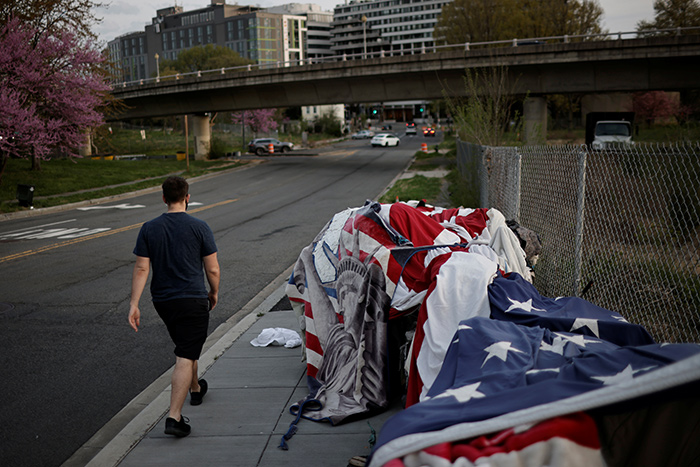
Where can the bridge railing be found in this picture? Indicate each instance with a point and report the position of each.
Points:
(467, 46)
(618, 227)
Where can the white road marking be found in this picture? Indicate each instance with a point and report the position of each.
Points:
(115, 206)
(35, 234)
(39, 226)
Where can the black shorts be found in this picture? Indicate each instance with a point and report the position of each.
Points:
(187, 320)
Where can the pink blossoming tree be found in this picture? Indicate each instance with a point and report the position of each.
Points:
(50, 90)
(259, 121)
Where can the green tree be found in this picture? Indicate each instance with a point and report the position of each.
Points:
(475, 21)
(208, 57)
(491, 20)
(328, 123)
(672, 14)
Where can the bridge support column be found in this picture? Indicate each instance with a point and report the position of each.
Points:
(535, 114)
(202, 136)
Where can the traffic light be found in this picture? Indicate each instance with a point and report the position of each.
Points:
(374, 111)
(421, 109)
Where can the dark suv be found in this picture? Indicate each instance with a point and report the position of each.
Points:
(261, 146)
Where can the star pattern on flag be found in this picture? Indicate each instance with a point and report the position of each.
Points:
(591, 324)
(525, 306)
(578, 339)
(460, 327)
(543, 370)
(464, 393)
(500, 350)
(625, 375)
(557, 346)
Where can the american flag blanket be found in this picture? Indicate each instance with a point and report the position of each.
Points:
(374, 263)
(538, 381)
(497, 373)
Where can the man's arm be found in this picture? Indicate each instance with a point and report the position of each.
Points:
(138, 283)
(211, 268)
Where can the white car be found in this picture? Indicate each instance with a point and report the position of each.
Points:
(385, 139)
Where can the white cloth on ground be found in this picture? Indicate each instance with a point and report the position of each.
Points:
(277, 336)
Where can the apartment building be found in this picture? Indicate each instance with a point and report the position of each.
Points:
(317, 30)
(255, 33)
(396, 26)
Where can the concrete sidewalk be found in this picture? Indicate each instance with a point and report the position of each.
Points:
(245, 412)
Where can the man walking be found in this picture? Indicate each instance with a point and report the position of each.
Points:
(181, 250)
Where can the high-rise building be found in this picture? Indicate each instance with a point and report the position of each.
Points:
(129, 55)
(392, 26)
(317, 32)
(253, 32)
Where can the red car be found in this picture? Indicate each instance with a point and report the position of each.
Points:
(428, 131)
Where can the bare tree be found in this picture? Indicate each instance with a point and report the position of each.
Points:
(483, 113)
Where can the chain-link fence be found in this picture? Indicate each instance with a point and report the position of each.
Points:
(619, 227)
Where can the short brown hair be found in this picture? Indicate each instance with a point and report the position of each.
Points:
(175, 189)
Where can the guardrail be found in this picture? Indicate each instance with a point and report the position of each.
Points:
(467, 46)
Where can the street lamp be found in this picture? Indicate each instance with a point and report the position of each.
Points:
(157, 68)
(364, 35)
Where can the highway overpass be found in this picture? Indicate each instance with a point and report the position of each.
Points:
(669, 63)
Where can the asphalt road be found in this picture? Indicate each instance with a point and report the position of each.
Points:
(69, 359)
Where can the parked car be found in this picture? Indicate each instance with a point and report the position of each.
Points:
(612, 132)
(411, 128)
(363, 134)
(428, 131)
(260, 146)
(385, 139)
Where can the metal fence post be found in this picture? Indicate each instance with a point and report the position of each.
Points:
(519, 176)
(580, 212)
(483, 178)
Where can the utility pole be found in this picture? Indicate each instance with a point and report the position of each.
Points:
(187, 144)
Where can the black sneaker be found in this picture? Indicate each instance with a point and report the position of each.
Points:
(177, 428)
(196, 397)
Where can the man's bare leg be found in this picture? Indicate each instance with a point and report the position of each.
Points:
(194, 385)
(181, 382)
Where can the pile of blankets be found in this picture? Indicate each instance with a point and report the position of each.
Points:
(492, 369)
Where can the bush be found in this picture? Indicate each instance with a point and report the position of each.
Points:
(218, 148)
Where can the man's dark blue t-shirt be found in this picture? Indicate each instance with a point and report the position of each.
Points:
(176, 243)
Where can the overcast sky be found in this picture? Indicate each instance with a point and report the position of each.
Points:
(124, 16)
